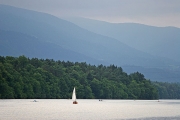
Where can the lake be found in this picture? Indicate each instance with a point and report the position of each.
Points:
(63, 109)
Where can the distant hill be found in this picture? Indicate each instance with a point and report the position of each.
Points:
(155, 74)
(15, 44)
(159, 41)
(35, 34)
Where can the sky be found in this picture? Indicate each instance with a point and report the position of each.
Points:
(149, 12)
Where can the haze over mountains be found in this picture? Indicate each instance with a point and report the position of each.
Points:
(35, 34)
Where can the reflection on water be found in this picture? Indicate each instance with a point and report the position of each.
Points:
(61, 109)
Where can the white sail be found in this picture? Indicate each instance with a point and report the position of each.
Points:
(74, 95)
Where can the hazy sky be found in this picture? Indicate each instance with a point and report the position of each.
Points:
(151, 12)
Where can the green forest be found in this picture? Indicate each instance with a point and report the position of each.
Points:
(168, 90)
(25, 78)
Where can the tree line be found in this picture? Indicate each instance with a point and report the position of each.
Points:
(25, 78)
(168, 90)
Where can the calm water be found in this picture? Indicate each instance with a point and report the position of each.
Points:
(61, 109)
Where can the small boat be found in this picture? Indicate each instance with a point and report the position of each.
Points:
(74, 96)
(35, 101)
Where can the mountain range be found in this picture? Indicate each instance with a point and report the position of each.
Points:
(158, 41)
(41, 35)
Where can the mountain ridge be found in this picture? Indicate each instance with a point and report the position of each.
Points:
(32, 47)
(58, 37)
(72, 37)
(150, 39)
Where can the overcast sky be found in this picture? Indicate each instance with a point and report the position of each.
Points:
(151, 12)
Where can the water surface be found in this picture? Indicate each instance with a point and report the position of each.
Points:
(62, 109)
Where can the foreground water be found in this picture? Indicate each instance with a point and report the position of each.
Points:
(61, 109)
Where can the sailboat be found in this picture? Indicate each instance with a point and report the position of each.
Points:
(74, 96)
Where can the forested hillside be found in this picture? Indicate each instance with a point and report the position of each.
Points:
(168, 90)
(21, 77)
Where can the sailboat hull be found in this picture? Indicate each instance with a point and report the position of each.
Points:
(75, 102)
